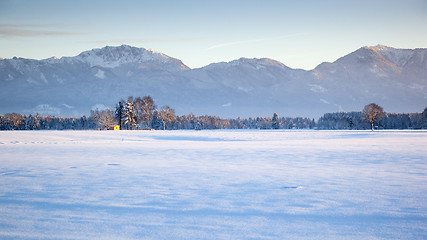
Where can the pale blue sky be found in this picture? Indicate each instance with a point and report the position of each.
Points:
(300, 34)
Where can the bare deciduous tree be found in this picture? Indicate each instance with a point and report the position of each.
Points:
(372, 113)
(104, 119)
(15, 120)
(167, 115)
(144, 110)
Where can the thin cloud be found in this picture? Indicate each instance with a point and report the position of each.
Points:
(124, 41)
(146, 40)
(31, 30)
(30, 25)
(252, 41)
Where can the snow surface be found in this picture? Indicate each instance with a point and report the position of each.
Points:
(397, 56)
(100, 74)
(213, 185)
(111, 57)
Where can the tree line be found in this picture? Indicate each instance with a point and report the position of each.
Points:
(15, 121)
(372, 117)
(142, 113)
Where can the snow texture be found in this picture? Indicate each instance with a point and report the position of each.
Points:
(213, 185)
(112, 57)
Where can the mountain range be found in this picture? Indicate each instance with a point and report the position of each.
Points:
(97, 79)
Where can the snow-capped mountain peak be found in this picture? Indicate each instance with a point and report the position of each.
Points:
(51, 60)
(111, 57)
(378, 56)
(255, 63)
(393, 78)
(260, 61)
(379, 47)
(399, 57)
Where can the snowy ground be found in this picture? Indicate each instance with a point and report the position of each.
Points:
(213, 185)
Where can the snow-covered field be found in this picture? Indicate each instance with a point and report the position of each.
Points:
(213, 185)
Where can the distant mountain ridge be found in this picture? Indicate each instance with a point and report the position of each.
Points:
(111, 57)
(71, 86)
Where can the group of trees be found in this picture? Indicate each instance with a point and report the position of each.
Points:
(373, 117)
(213, 122)
(138, 113)
(142, 113)
(15, 121)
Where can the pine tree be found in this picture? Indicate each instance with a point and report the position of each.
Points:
(275, 124)
(32, 122)
(119, 113)
(424, 118)
(129, 113)
(156, 122)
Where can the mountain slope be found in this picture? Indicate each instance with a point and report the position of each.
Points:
(393, 78)
(376, 74)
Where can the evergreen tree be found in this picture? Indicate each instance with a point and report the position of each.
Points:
(129, 114)
(84, 123)
(193, 121)
(156, 122)
(275, 124)
(424, 118)
(119, 113)
(32, 122)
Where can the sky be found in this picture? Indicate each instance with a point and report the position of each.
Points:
(300, 34)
